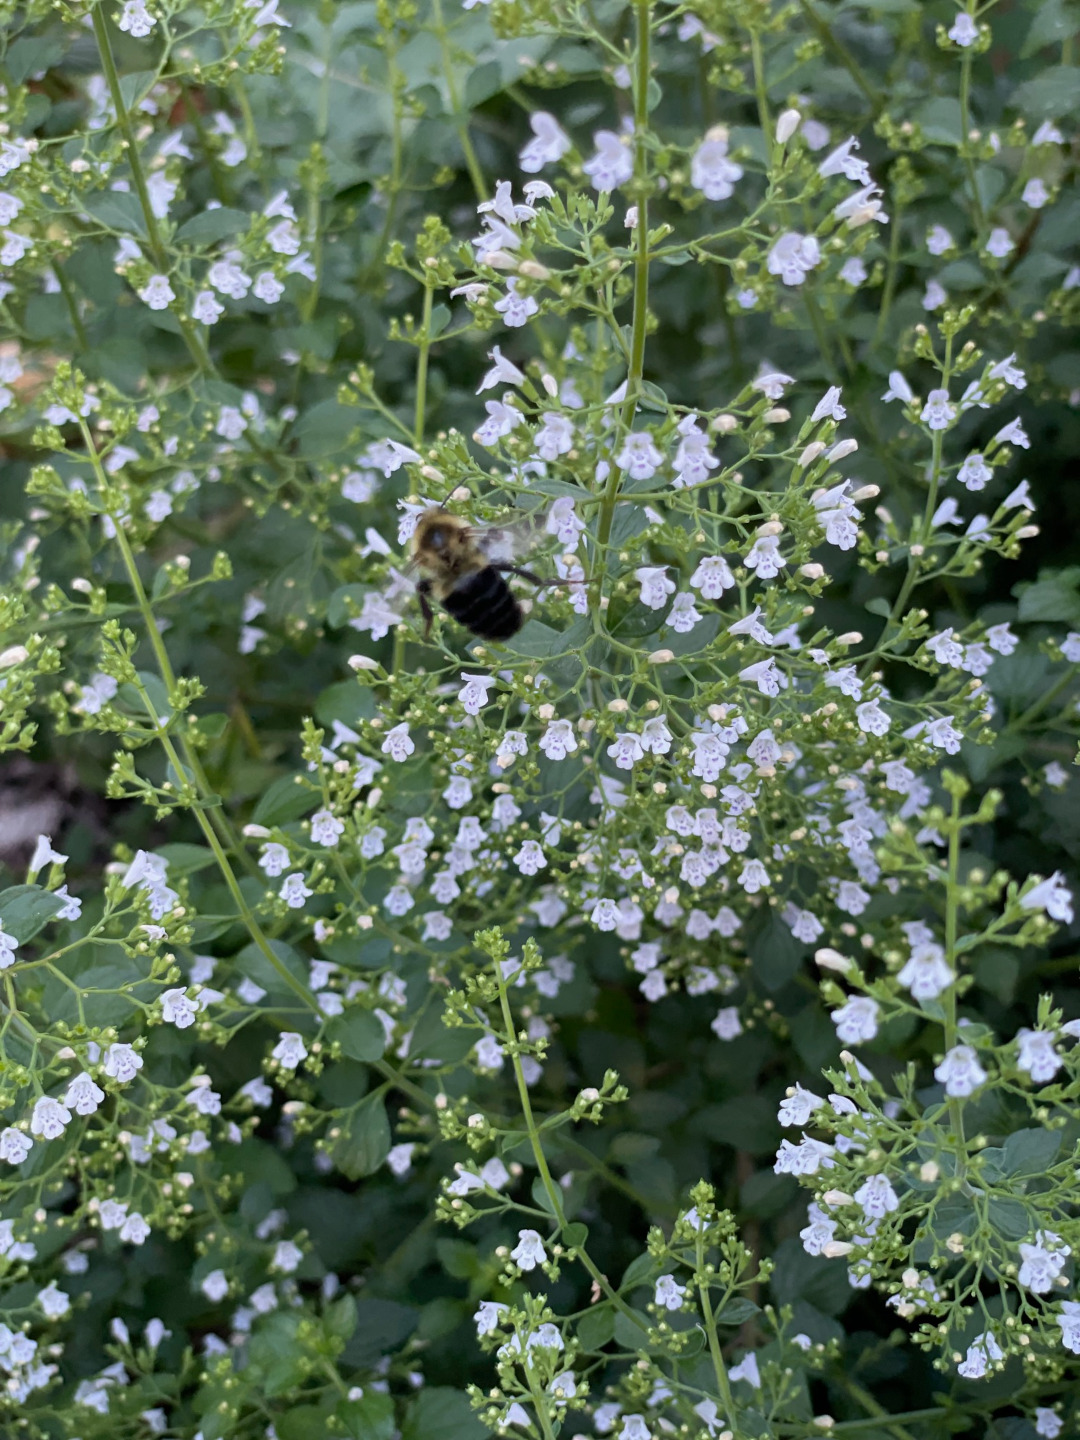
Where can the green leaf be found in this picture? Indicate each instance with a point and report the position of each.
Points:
(737, 1311)
(633, 1333)
(640, 1270)
(117, 211)
(26, 909)
(596, 1328)
(1054, 596)
(381, 1327)
(274, 1353)
(364, 1138)
(360, 1035)
(369, 1418)
(287, 799)
(1030, 1152)
(1050, 94)
(340, 1317)
(213, 225)
(324, 430)
(576, 1234)
(458, 1258)
(1009, 1218)
(184, 858)
(1053, 22)
(440, 1413)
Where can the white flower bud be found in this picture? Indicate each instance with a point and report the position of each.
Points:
(829, 959)
(786, 125)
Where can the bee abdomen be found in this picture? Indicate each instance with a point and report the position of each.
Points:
(484, 604)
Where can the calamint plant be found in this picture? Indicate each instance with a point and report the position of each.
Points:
(660, 1019)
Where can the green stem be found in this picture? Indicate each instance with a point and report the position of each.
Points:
(192, 339)
(201, 785)
(762, 94)
(965, 127)
(551, 1189)
(1045, 699)
(422, 368)
(723, 1384)
(639, 321)
(948, 999)
(72, 305)
(461, 120)
(892, 274)
(827, 34)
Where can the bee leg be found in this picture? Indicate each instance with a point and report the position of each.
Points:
(422, 592)
(525, 574)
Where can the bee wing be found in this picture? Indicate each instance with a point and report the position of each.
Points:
(510, 539)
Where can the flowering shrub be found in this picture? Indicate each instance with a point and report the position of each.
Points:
(663, 1022)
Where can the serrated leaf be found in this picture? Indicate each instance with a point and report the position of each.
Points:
(212, 225)
(26, 909)
(1030, 1152)
(363, 1139)
(360, 1035)
(286, 799)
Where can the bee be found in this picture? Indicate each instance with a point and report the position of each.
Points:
(464, 568)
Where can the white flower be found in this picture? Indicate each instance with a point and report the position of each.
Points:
(1037, 1055)
(798, 1105)
(157, 292)
(655, 585)
(529, 1252)
(1043, 1262)
(612, 165)
(294, 890)
(1051, 895)
(83, 1096)
(999, 243)
(53, 1301)
(549, 143)
(711, 171)
(639, 456)
(207, 308)
(326, 828)
(857, 1021)
(877, 1197)
(1069, 1320)
(136, 19)
(793, 256)
(1035, 194)
(960, 1071)
(634, 1428)
(558, 740)
(474, 693)
(926, 973)
(1048, 1423)
(555, 436)
(398, 743)
(963, 31)
(290, 1050)
(764, 557)
(981, 1354)
(530, 858)
(938, 240)
(974, 472)
(669, 1293)
(49, 1118)
(14, 1145)
(712, 577)
(1013, 434)
(215, 1286)
(229, 279)
(177, 1009)
(937, 413)
(268, 288)
(726, 1025)
(934, 296)
(488, 1316)
(853, 271)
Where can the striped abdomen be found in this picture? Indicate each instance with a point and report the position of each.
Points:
(484, 604)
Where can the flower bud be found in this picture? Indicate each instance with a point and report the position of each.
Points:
(533, 270)
(829, 959)
(810, 454)
(786, 125)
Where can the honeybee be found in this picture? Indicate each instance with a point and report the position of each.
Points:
(464, 568)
